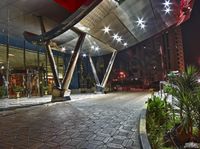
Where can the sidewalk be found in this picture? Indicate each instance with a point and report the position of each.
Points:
(11, 104)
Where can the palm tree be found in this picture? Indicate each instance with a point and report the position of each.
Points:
(184, 90)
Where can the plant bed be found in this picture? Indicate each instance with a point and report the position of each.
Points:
(176, 128)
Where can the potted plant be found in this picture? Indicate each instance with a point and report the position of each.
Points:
(2, 91)
(45, 89)
(18, 89)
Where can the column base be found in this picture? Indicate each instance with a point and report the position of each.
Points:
(59, 95)
(99, 89)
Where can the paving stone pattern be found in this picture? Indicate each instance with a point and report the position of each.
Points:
(102, 122)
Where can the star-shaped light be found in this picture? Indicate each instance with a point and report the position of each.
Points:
(115, 36)
(63, 49)
(142, 26)
(119, 39)
(92, 47)
(167, 10)
(167, 3)
(125, 44)
(106, 29)
(96, 48)
(140, 21)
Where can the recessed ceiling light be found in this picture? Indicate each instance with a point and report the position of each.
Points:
(63, 49)
(115, 36)
(96, 48)
(11, 54)
(125, 44)
(167, 3)
(140, 21)
(92, 47)
(84, 55)
(119, 39)
(142, 26)
(106, 29)
(167, 10)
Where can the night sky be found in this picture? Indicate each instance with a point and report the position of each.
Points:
(191, 37)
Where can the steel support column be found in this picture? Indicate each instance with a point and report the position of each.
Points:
(107, 73)
(94, 71)
(101, 86)
(51, 58)
(71, 67)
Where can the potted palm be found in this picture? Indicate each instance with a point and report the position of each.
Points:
(18, 89)
(184, 90)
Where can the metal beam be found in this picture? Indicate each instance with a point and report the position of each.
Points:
(50, 56)
(108, 70)
(72, 64)
(94, 71)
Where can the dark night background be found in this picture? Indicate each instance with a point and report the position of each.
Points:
(191, 37)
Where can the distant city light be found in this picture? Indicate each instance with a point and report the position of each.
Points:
(106, 29)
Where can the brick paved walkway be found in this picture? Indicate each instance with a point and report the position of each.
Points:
(109, 121)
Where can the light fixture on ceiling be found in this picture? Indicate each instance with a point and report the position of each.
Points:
(92, 47)
(141, 23)
(115, 36)
(142, 26)
(97, 48)
(119, 39)
(167, 10)
(81, 27)
(84, 55)
(63, 49)
(106, 29)
(11, 55)
(72, 51)
(167, 3)
(167, 6)
(2, 67)
(125, 44)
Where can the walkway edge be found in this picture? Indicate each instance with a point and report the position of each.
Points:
(23, 106)
(142, 131)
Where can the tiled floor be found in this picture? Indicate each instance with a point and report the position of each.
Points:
(92, 121)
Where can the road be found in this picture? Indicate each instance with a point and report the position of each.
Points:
(98, 121)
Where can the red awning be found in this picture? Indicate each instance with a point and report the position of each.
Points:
(72, 5)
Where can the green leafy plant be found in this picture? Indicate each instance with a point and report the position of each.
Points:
(158, 120)
(2, 91)
(17, 89)
(184, 89)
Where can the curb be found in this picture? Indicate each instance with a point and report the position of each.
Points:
(23, 106)
(142, 131)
